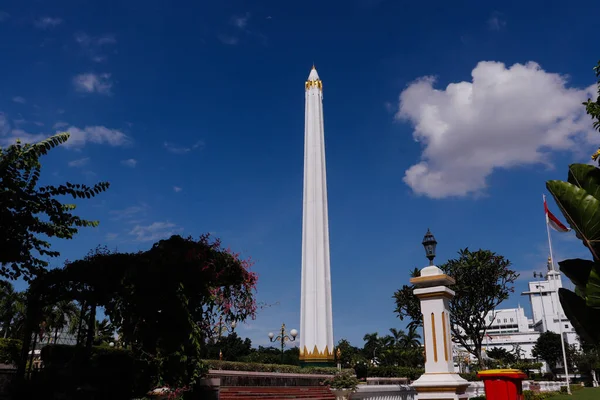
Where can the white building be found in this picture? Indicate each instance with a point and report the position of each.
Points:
(511, 329)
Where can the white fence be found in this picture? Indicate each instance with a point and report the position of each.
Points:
(406, 392)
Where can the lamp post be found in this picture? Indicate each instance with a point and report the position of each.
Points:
(539, 287)
(282, 338)
(440, 380)
(429, 243)
(218, 330)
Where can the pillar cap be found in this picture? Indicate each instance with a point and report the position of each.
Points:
(432, 276)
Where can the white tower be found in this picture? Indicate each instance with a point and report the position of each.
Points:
(316, 319)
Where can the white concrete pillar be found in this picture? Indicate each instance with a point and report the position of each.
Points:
(439, 381)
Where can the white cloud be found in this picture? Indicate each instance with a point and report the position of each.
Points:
(129, 212)
(229, 40)
(93, 46)
(79, 163)
(60, 124)
(93, 83)
(111, 236)
(19, 99)
(176, 149)
(154, 231)
(19, 134)
(504, 118)
(177, 189)
(240, 21)
(496, 22)
(131, 162)
(96, 134)
(47, 22)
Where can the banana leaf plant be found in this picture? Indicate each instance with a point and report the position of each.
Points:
(579, 200)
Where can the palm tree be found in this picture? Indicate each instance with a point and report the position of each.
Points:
(398, 335)
(372, 344)
(59, 316)
(12, 310)
(104, 332)
(411, 339)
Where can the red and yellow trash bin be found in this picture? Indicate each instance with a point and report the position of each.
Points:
(503, 384)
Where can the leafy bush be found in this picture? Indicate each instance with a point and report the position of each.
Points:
(470, 376)
(395, 372)
(529, 395)
(482, 397)
(257, 367)
(10, 351)
(343, 380)
(574, 388)
(361, 370)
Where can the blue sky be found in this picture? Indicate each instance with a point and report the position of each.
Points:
(194, 114)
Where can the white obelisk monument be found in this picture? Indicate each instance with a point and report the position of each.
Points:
(316, 319)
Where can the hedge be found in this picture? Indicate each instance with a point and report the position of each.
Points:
(10, 351)
(529, 395)
(256, 367)
(395, 372)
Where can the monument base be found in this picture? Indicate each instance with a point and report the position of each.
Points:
(438, 386)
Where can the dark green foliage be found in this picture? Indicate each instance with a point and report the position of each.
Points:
(470, 376)
(395, 372)
(502, 355)
(549, 349)
(232, 347)
(12, 311)
(29, 214)
(65, 369)
(592, 107)
(349, 355)
(256, 367)
(579, 201)
(530, 395)
(361, 370)
(268, 355)
(483, 281)
(10, 351)
(398, 349)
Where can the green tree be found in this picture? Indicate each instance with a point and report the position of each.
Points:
(483, 281)
(350, 355)
(372, 345)
(504, 357)
(29, 214)
(232, 346)
(592, 107)
(12, 311)
(104, 332)
(548, 348)
(58, 317)
(588, 361)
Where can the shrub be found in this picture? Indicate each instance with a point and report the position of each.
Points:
(343, 380)
(395, 372)
(10, 351)
(482, 397)
(361, 370)
(257, 367)
(529, 395)
(470, 376)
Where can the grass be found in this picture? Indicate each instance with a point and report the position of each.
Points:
(583, 394)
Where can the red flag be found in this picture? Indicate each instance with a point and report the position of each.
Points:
(553, 221)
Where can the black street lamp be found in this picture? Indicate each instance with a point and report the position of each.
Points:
(218, 330)
(282, 338)
(429, 243)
